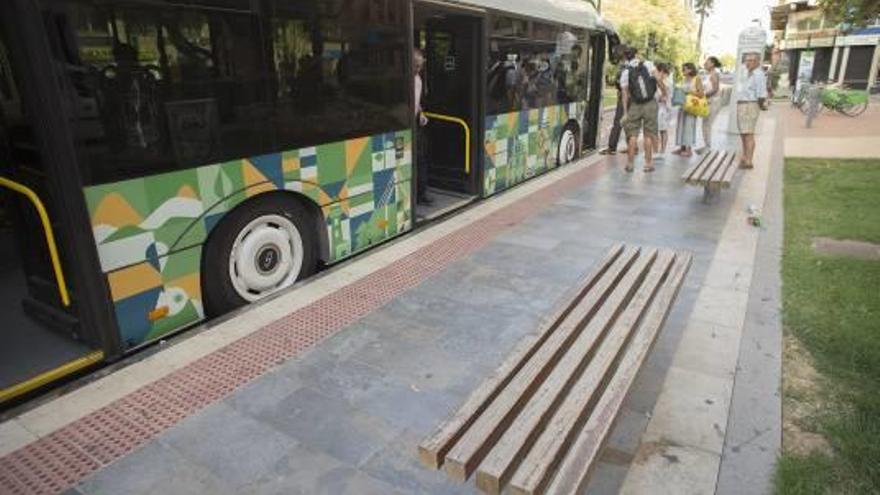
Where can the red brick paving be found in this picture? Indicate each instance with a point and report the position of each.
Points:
(832, 124)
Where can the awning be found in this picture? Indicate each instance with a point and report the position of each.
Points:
(577, 13)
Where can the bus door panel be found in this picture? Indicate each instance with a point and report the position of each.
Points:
(590, 131)
(451, 78)
(43, 330)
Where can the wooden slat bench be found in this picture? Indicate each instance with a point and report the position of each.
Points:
(714, 171)
(538, 422)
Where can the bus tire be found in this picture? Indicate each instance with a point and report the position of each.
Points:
(568, 145)
(259, 248)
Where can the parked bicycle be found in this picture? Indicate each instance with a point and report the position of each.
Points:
(832, 97)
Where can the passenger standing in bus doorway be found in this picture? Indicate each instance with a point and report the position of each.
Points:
(422, 196)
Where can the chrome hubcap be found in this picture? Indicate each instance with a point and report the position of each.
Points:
(267, 256)
(567, 147)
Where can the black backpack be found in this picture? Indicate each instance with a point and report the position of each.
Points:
(642, 84)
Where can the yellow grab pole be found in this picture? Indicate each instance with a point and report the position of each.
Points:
(47, 230)
(467, 135)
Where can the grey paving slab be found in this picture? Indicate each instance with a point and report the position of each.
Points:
(528, 240)
(397, 464)
(154, 469)
(263, 394)
(627, 431)
(234, 447)
(327, 425)
(606, 479)
(305, 472)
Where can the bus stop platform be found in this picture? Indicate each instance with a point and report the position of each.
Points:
(330, 387)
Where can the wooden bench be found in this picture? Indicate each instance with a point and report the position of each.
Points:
(537, 424)
(714, 172)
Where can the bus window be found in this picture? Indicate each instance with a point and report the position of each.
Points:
(572, 68)
(340, 70)
(155, 88)
(544, 32)
(535, 73)
(521, 75)
(510, 27)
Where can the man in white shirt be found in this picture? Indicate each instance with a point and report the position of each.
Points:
(751, 97)
(639, 107)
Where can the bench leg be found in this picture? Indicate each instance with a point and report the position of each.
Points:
(709, 192)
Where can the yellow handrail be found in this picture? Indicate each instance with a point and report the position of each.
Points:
(47, 230)
(467, 135)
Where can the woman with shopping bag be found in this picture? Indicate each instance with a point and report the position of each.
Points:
(693, 103)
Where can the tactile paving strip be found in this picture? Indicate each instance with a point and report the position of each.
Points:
(58, 461)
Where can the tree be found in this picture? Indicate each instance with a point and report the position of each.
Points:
(851, 13)
(704, 8)
(669, 21)
(728, 61)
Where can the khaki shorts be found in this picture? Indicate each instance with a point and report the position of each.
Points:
(747, 116)
(641, 116)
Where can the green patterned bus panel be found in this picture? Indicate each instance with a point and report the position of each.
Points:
(149, 231)
(522, 144)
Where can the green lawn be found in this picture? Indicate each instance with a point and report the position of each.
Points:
(832, 306)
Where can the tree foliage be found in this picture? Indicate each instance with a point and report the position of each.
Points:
(728, 61)
(703, 8)
(851, 13)
(672, 25)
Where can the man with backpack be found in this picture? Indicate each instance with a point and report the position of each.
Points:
(638, 87)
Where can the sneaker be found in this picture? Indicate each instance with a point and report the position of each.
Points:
(608, 151)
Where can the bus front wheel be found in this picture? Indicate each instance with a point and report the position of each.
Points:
(261, 247)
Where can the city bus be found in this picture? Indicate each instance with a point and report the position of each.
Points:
(163, 162)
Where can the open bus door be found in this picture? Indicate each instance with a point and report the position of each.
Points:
(50, 328)
(601, 43)
(452, 42)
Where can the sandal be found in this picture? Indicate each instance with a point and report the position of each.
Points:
(648, 169)
(628, 168)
